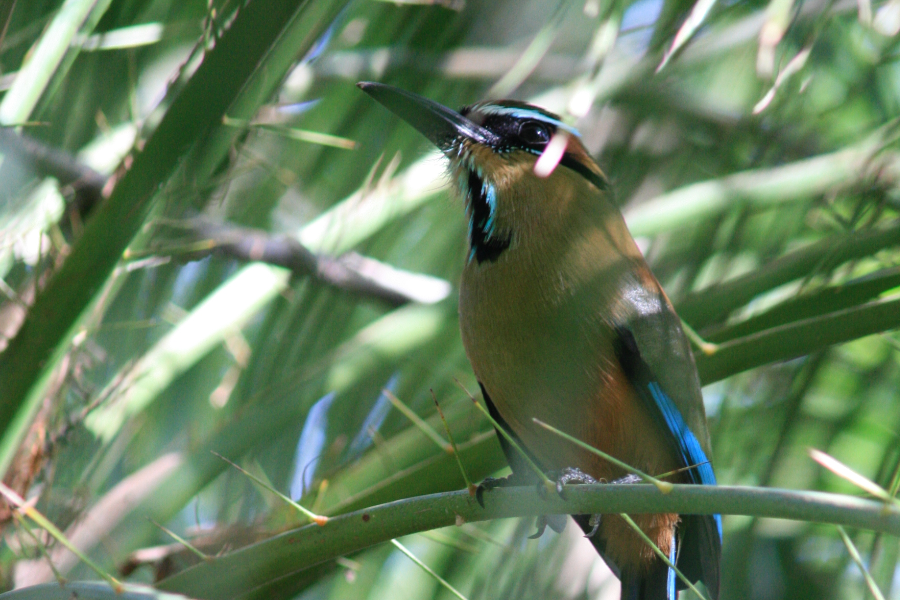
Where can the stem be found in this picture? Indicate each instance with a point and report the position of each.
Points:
(312, 545)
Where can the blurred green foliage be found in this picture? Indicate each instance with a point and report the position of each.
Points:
(757, 169)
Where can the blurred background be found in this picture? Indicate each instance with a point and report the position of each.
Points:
(212, 241)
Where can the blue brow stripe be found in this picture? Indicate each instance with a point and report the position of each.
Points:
(524, 113)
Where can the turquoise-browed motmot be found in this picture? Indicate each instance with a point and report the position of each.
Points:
(563, 321)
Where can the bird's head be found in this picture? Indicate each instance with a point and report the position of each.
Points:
(493, 147)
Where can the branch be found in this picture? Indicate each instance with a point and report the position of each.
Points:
(86, 183)
(237, 572)
(351, 272)
(798, 338)
(713, 304)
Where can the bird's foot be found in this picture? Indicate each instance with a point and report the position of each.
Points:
(570, 476)
(490, 483)
(594, 522)
(628, 479)
(555, 522)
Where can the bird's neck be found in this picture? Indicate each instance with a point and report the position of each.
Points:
(486, 241)
(537, 223)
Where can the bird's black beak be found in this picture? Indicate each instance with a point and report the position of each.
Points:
(441, 125)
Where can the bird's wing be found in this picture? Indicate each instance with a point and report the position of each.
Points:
(665, 412)
(655, 356)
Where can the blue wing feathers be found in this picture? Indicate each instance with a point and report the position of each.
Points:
(691, 453)
(664, 409)
(703, 533)
(700, 535)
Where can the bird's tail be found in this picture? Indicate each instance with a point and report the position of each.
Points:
(655, 584)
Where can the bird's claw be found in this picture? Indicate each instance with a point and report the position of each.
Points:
(490, 483)
(569, 476)
(540, 522)
(555, 522)
(628, 479)
(594, 522)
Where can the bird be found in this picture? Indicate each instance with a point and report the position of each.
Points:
(563, 321)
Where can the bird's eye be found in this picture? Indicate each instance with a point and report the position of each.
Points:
(532, 132)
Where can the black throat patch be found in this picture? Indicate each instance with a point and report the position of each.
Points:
(486, 243)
